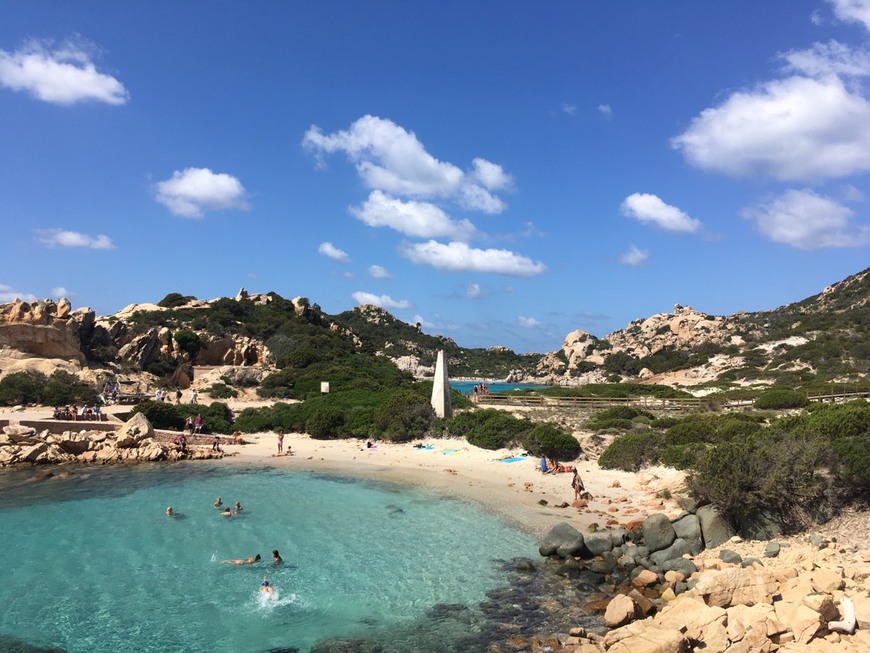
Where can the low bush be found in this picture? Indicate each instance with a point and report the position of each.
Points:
(781, 398)
(161, 415)
(221, 391)
(550, 441)
(632, 451)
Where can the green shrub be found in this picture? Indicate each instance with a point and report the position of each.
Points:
(781, 398)
(325, 423)
(552, 442)
(632, 451)
(21, 388)
(607, 424)
(852, 465)
(161, 415)
(487, 428)
(686, 456)
(188, 341)
(174, 300)
(404, 415)
(664, 422)
(623, 412)
(221, 391)
(690, 431)
(216, 418)
(63, 388)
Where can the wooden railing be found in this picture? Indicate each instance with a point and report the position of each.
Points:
(839, 397)
(653, 403)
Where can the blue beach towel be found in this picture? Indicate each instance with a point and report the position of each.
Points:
(428, 447)
(515, 459)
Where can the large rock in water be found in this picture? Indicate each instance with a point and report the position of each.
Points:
(714, 528)
(658, 533)
(562, 540)
(136, 429)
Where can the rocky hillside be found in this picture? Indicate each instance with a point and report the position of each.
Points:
(823, 338)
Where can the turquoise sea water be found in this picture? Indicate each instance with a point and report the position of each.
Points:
(93, 564)
(495, 386)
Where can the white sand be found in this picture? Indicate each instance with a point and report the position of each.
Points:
(511, 491)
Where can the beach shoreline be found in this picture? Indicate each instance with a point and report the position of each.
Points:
(516, 492)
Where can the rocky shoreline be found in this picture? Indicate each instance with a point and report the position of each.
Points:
(133, 441)
(655, 594)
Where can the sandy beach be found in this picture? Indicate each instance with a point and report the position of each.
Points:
(515, 491)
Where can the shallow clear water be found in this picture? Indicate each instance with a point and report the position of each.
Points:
(465, 387)
(93, 564)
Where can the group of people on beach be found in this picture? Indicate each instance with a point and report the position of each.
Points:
(193, 424)
(265, 586)
(74, 413)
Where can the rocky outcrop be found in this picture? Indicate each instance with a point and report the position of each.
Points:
(44, 329)
(133, 442)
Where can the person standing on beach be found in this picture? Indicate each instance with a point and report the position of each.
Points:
(280, 442)
(577, 484)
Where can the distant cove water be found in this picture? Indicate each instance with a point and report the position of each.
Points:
(93, 564)
(495, 386)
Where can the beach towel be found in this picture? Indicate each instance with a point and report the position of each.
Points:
(427, 447)
(515, 459)
(447, 452)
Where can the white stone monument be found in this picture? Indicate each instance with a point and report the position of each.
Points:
(441, 388)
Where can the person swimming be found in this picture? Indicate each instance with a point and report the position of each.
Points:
(239, 507)
(265, 586)
(227, 512)
(169, 512)
(218, 502)
(243, 561)
(276, 557)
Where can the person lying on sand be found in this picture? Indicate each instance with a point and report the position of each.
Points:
(243, 561)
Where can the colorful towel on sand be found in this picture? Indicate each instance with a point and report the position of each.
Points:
(515, 459)
(428, 447)
(451, 452)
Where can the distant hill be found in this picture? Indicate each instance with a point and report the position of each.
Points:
(818, 340)
(821, 339)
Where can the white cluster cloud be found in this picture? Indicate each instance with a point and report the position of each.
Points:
(65, 75)
(192, 191)
(8, 294)
(384, 301)
(331, 251)
(412, 218)
(458, 256)
(799, 128)
(810, 124)
(852, 11)
(634, 256)
(472, 291)
(605, 110)
(650, 209)
(65, 238)
(59, 292)
(805, 220)
(379, 272)
(529, 322)
(391, 159)
(408, 186)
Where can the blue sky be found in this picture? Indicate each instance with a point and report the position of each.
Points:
(503, 172)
